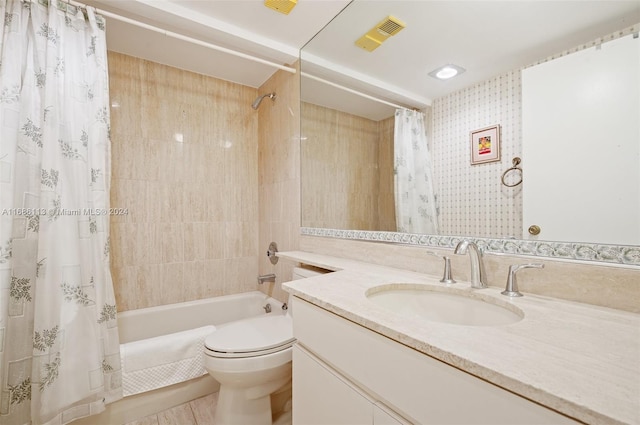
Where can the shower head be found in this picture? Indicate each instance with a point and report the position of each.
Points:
(256, 102)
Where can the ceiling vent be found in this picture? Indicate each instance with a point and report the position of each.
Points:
(378, 34)
(282, 6)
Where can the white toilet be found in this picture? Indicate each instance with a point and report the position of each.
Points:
(251, 359)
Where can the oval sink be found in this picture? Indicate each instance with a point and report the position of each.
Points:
(418, 301)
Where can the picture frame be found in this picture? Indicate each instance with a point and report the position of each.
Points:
(485, 145)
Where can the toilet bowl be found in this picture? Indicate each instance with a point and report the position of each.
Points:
(251, 359)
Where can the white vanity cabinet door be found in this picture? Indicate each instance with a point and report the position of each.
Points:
(321, 397)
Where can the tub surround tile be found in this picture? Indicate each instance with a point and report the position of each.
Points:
(214, 270)
(183, 145)
(148, 289)
(240, 203)
(579, 359)
(193, 273)
(240, 239)
(215, 240)
(172, 242)
(240, 275)
(215, 205)
(197, 234)
(173, 283)
(173, 162)
(131, 194)
(278, 175)
(125, 296)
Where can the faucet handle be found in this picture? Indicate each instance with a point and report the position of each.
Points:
(446, 276)
(512, 283)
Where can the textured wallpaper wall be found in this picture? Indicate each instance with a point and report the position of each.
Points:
(471, 198)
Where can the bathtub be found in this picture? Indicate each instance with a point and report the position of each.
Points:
(151, 322)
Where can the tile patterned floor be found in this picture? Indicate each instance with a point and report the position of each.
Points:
(196, 412)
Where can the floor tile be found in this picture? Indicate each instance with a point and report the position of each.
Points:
(149, 420)
(204, 409)
(179, 415)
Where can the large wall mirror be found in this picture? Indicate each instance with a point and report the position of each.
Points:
(512, 58)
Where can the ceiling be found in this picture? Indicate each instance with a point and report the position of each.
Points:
(486, 38)
(246, 26)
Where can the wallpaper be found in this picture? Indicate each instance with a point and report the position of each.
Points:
(471, 198)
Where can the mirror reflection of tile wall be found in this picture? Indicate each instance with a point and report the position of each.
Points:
(348, 170)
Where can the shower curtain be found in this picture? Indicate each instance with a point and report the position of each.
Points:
(59, 349)
(413, 177)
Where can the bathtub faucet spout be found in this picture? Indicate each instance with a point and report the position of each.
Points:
(266, 278)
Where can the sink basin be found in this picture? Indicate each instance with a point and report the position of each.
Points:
(457, 308)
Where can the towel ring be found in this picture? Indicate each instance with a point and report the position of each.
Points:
(515, 162)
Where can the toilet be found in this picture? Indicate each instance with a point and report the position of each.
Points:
(251, 359)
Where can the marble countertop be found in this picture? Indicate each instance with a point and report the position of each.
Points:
(578, 359)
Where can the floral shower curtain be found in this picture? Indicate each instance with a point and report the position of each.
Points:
(59, 349)
(413, 177)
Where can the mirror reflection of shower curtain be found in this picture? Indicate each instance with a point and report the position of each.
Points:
(413, 176)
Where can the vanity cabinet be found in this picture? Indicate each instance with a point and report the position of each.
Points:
(344, 373)
(322, 396)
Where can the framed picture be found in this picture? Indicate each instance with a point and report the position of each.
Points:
(485, 145)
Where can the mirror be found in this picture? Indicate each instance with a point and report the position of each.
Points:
(349, 97)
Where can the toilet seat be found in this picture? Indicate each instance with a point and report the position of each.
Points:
(253, 337)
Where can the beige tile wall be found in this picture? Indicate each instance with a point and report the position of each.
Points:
(193, 204)
(279, 175)
(345, 185)
(386, 196)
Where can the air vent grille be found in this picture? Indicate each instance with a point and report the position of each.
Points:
(378, 34)
(389, 26)
(282, 6)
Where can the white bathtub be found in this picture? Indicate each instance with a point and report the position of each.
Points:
(151, 322)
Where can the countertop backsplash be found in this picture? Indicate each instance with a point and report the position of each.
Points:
(605, 285)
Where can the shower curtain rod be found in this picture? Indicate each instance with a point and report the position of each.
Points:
(352, 91)
(185, 38)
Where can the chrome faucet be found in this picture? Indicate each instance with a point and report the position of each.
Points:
(478, 280)
(512, 284)
(266, 278)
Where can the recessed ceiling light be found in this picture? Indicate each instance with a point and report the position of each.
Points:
(447, 71)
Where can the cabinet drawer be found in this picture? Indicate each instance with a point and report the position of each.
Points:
(321, 397)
